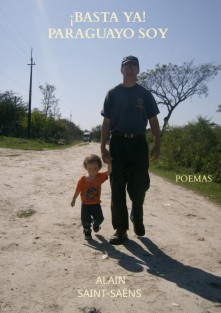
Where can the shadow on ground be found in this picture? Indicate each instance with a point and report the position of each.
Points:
(151, 258)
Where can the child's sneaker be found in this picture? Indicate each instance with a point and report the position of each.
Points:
(87, 234)
(96, 228)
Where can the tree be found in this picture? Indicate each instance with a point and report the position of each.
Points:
(13, 113)
(219, 108)
(74, 131)
(173, 84)
(96, 133)
(38, 124)
(49, 102)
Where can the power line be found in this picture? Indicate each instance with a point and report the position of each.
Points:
(16, 28)
(12, 40)
(12, 79)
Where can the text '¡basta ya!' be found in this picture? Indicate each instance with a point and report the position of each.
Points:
(94, 19)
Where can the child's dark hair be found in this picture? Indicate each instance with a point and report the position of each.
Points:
(91, 159)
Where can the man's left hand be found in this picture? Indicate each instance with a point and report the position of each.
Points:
(155, 153)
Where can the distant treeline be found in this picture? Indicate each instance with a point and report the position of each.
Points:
(14, 121)
(45, 124)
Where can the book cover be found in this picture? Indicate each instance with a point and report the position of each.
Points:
(74, 50)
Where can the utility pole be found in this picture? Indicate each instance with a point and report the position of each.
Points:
(30, 94)
(15, 115)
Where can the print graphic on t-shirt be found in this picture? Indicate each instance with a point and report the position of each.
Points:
(91, 194)
(139, 104)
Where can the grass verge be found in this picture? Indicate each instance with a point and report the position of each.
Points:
(208, 189)
(31, 144)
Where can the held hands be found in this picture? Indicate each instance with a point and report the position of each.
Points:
(106, 157)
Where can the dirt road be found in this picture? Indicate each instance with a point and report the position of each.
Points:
(47, 266)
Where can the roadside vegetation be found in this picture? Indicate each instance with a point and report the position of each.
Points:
(32, 144)
(191, 157)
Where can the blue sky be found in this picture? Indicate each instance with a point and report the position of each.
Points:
(84, 69)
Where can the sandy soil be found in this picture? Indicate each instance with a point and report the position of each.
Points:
(47, 266)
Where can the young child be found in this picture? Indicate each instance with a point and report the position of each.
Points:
(89, 188)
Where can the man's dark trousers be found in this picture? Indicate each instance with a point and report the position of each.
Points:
(129, 173)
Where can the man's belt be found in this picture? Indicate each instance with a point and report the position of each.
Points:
(126, 135)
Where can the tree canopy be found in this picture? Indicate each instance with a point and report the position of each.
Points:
(49, 102)
(13, 111)
(172, 84)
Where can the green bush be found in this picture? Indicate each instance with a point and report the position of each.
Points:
(195, 146)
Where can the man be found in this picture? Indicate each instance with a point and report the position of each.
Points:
(127, 109)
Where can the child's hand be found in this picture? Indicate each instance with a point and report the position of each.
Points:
(73, 203)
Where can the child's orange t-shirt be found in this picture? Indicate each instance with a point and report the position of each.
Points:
(90, 190)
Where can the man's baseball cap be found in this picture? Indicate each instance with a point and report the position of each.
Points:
(130, 59)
